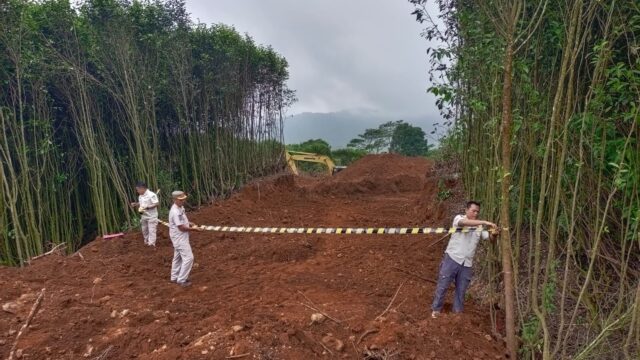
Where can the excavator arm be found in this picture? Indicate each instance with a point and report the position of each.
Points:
(293, 156)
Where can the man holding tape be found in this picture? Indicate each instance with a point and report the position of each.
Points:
(179, 228)
(458, 259)
(148, 208)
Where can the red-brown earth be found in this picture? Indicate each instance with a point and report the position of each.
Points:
(252, 294)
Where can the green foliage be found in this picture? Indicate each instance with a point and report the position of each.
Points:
(316, 146)
(375, 140)
(345, 157)
(450, 147)
(530, 335)
(409, 140)
(443, 192)
(575, 157)
(94, 99)
(394, 136)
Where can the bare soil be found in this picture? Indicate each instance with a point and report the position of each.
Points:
(252, 294)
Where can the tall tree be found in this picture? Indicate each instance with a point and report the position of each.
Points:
(375, 140)
(409, 140)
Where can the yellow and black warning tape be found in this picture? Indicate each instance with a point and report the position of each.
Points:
(341, 230)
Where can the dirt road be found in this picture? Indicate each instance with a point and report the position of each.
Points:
(253, 294)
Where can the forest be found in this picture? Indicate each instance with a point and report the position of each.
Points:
(99, 94)
(543, 98)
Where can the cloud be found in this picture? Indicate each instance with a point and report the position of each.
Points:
(343, 55)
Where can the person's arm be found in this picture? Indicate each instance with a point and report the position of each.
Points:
(469, 222)
(463, 221)
(154, 202)
(195, 227)
(137, 203)
(491, 234)
(186, 227)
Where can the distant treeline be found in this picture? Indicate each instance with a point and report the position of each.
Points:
(393, 136)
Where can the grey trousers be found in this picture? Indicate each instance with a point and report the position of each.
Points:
(182, 261)
(451, 271)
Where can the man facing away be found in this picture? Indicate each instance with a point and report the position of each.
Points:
(148, 207)
(179, 228)
(458, 259)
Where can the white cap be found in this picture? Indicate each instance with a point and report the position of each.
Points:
(180, 195)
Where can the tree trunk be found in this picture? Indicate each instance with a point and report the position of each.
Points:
(505, 238)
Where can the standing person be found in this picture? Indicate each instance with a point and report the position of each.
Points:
(458, 259)
(179, 228)
(147, 206)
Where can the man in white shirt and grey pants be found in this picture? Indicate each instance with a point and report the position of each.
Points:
(148, 207)
(179, 228)
(458, 259)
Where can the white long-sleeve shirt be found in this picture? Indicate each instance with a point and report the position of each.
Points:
(462, 246)
(149, 198)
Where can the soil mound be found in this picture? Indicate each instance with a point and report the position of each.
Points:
(378, 174)
(440, 197)
(384, 166)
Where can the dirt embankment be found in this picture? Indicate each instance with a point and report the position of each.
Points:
(253, 295)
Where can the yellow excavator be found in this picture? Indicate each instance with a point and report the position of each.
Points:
(293, 156)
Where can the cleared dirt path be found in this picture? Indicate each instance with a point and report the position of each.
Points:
(252, 294)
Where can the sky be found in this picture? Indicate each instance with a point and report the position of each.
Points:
(353, 63)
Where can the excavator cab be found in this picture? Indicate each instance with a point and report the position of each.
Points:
(293, 156)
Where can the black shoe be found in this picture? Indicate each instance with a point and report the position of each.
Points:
(185, 283)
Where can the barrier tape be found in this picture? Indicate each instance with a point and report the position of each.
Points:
(340, 230)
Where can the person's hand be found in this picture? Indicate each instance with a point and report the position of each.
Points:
(490, 224)
(133, 204)
(494, 232)
(195, 227)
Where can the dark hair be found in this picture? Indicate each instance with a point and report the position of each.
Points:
(141, 184)
(472, 202)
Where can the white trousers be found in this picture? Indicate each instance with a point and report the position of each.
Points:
(149, 227)
(182, 261)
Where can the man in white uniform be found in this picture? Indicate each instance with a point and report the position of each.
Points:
(179, 228)
(148, 207)
(458, 259)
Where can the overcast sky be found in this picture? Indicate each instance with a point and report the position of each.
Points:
(357, 56)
